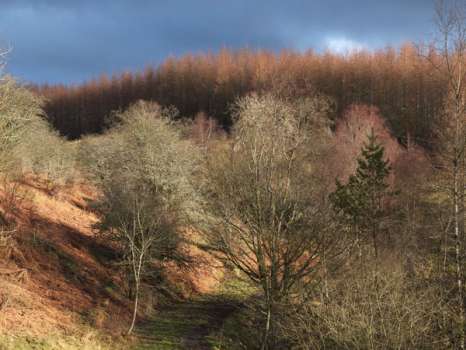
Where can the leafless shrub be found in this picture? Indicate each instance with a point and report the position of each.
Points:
(204, 129)
(3, 55)
(49, 156)
(398, 312)
(28, 143)
(20, 111)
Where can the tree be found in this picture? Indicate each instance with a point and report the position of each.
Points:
(351, 131)
(20, 112)
(363, 201)
(398, 81)
(451, 66)
(203, 129)
(145, 170)
(268, 215)
(3, 54)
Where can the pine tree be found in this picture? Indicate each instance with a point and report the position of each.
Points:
(362, 201)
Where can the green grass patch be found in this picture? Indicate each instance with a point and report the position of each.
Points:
(199, 322)
(88, 341)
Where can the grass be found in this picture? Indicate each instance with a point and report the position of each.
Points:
(234, 327)
(197, 323)
(87, 341)
(177, 325)
(235, 330)
(65, 261)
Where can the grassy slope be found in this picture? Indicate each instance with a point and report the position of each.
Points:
(60, 287)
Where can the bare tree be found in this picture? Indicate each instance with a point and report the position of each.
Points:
(145, 170)
(3, 55)
(450, 19)
(203, 129)
(144, 225)
(27, 140)
(269, 214)
(20, 111)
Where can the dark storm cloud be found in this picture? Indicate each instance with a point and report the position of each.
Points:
(67, 40)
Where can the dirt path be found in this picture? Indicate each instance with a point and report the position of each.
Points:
(187, 325)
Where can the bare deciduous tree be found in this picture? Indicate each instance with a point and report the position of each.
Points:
(3, 55)
(20, 111)
(450, 19)
(269, 214)
(145, 170)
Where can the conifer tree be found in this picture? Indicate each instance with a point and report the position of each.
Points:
(362, 201)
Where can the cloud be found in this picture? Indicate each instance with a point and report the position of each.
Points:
(71, 41)
(342, 45)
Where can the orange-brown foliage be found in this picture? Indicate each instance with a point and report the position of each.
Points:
(61, 266)
(409, 162)
(398, 82)
(351, 133)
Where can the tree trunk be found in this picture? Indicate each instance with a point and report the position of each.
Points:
(137, 280)
(265, 339)
(135, 307)
(459, 228)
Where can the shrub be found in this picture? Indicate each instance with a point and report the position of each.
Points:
(28, 144)
(48, 155)
(20, 112)
(397, 312)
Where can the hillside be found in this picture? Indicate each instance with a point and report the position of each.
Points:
(60, 282)
(59, 274)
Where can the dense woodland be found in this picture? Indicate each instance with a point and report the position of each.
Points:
(399, 82)
(331, 188)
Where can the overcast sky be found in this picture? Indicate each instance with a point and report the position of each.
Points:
(74, 40)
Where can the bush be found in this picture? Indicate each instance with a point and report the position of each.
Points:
(396, 312)
(28, 144)
(20, 111)
(48, 155)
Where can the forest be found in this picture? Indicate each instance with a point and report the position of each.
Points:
(399, 82)
(318, 199)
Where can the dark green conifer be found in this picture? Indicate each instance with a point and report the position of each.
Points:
(362, 201)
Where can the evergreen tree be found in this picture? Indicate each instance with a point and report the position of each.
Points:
(363, 201)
